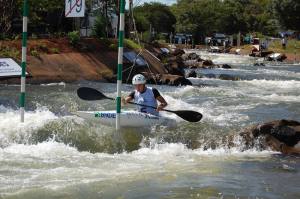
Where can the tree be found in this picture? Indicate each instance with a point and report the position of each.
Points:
(203, 17)
(288, 13)
(159, 15)
(6, 15)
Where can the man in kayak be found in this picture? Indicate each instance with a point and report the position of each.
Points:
(146, 96)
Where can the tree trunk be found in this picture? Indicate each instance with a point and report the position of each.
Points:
(6, 15)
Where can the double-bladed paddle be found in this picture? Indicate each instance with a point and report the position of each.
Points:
(91, 94)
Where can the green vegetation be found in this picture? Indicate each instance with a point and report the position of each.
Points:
(55, 50)
(293, 46)
(74, 38)
(99, 29)
(202, 18)
(288, 13)
(229, 16)
(10, 52)
(106, 42)
(131, 44)
(34, 52)
(42, 47)
(113, 47)
(158, 15)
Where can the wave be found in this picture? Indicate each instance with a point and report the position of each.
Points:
(12, 130)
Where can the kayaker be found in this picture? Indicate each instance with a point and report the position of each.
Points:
(146, 96)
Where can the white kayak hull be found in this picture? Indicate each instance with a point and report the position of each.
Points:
(128, 118)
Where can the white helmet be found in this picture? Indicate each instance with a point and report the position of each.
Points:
(138, 79)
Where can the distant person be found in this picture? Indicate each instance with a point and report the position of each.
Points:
(146, 96)
(284, 42)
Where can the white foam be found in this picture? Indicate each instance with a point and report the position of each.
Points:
(221, 58)
(292, 84)
(173, 150)
(11, 127)
(49, 149)
(55, 84)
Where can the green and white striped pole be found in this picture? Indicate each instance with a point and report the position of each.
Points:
(24, 50)
(120, 61)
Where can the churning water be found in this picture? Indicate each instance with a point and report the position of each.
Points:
(57, 155)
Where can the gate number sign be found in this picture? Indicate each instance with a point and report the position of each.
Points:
(75, 8)
(8, 67)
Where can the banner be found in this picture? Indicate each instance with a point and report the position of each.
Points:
(75, 8)
(8, 67)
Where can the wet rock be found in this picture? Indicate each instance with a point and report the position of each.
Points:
(178, 52)
(207, 63)
(193, 56)
(174, 80)
(229, 77)
(276, 57)
(280, 135)
(167, 79)
(226, 66)
(175, 66)
(185, 57)
(265, 53)
(258, 64)
(192, 74)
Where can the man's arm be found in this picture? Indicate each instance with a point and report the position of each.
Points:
(129, 98)
(162, 104)
(159, 98)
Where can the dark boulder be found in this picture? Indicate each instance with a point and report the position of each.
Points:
(207, 63)
(280, 135)
(178, 52)
(192, 73)
(174, 80)
(166, 79)
(226, 66)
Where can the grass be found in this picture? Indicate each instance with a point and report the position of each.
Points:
(293, 46)
(34, 53)
(131, 44)
(10, 52)
(55, 50)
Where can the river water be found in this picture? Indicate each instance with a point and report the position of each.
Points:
(57, 155)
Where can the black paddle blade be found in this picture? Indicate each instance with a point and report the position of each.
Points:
(191, 116)
(90, 94)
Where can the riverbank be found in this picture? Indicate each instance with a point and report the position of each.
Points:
(292, 50)
(56, 60)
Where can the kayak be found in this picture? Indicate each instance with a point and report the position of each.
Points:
(127, 119)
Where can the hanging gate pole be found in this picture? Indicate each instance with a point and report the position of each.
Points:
(120, 61)
(24, 50)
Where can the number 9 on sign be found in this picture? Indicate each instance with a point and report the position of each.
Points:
(74, 8)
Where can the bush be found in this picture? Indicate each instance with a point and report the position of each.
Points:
(43, 47)
(2, 36)
(74, 38)
(99, 27)
(10, 52)
(34, 53)
(146, 36)
(105, 42)
(55, 50)
(131, 44)
(113, 47)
